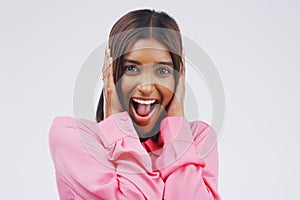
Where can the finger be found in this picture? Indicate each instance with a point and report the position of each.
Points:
(182, 70)
(110, 87)
(104, 62)
(112, 104)
(106, 58)
(115, 101)
(110, 77)
(105, 73)
(180, 90)
(107, 77)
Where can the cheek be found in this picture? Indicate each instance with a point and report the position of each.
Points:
(167, 88)
(167, 84)
(126, 87)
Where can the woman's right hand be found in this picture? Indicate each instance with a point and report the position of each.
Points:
(112, 103)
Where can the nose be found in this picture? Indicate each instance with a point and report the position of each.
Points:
(146, 84)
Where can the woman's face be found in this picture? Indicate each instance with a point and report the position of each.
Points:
(147, 85)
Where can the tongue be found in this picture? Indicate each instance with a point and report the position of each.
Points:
(143, 109)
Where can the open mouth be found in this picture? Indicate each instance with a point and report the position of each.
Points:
(143, 109)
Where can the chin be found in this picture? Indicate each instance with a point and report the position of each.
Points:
(146, 115)
(151, 129)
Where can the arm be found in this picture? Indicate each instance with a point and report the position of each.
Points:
(185, 174)
(91, 165)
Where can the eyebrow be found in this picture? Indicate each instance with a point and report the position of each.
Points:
(139, 63)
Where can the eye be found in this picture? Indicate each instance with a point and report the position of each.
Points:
(131, 69)
(163, 71)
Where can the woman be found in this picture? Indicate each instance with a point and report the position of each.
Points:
(141, 146)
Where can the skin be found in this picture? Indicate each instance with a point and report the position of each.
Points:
(149, 74)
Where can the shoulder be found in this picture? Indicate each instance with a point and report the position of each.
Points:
(59, 125)
(62, 121)
(65, 129)
(66, 122)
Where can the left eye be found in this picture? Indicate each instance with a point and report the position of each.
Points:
(163, 71)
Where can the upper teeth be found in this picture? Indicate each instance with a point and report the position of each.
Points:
(144, 101)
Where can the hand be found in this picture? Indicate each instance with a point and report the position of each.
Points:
(176, 105)
(112, 102)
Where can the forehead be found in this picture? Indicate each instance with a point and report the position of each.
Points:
(147, 44)
(147, 51)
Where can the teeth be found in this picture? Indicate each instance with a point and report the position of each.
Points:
(143, 101)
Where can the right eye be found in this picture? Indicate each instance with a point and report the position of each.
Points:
(131, 68)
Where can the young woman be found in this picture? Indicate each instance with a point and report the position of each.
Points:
(141, 146)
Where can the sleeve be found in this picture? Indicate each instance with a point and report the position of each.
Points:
(187, 175)
(102, 160)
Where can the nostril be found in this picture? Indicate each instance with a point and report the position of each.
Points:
(148, 87)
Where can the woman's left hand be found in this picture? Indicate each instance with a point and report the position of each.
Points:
(176, 105)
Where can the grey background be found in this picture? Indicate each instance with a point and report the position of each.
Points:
(254, 45)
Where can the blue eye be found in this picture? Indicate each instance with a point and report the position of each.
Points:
(163, 70)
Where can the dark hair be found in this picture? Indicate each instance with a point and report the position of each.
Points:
(142, 24)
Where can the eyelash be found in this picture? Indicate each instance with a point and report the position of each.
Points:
(130, 67)
(161, 71)
(164, 69)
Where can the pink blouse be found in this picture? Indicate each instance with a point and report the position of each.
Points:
(106, 160)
